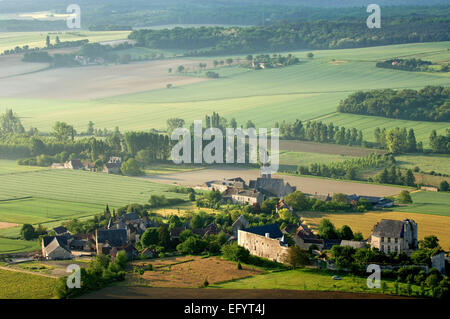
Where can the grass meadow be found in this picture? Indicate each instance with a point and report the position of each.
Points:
(308, 279)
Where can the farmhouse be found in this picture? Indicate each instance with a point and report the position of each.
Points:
(55, 248)
(395, 236)
(113, 165)
(264, 241)
(376, 202)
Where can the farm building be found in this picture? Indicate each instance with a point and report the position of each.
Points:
(55, 248)
(113, 165)
(264, 241)
(395, 236)
(110, 238)
(247, 197)
(272, 187)
(73, 164)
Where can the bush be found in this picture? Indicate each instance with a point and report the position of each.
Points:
(235, 252)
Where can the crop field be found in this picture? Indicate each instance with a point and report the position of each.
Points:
(192, 273)
(58, 195)
(310, 185)
(9, 40)
(9, 166)
(25, 286)
(436, 203)
(307, 279)
(364, 222)
(310, 90)
(426, 163)
(8, 246)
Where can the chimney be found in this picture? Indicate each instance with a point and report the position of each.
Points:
(267, 235)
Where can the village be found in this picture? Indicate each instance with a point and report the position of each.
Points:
(268, 241)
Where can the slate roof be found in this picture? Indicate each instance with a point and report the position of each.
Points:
(115, 237)
(353, 243)
(62, 240)
(273, 230)
(54, 244)
(131, 216)
(60, 230)
(389, 228)
(329, 243)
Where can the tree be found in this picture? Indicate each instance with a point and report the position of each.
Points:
(250, 124)
(235, 252)
(345, 232)
(429, 242)
(310, 55)
(10, 123)
(174, 123)
(163, 236)
(443, 186)
(63, 132)
(150, 237)
(180, 69)
(410, 180)
(297, 256)
(192, 245)
(90, 130)
(298, 201)
(121, 259)
(327, 229)
(405, 198)
(37, 146)
(131, 168)
(27, 232)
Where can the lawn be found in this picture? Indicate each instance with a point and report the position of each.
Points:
(307, 279)
(16, 285)
(363, 222)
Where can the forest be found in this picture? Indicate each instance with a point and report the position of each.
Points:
(432, 103)
(210, 41)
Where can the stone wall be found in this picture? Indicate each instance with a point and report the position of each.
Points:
(262, 246)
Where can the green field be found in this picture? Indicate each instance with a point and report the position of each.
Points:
(424, 202)
(9, 166)
(310, 90)
(25, 286)
(426, 163)
(9, 40)
(17, 246)
(307, 279)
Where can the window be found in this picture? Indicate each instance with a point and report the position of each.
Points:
(382, 247)
(389, 239)
(396, 240)
(382, 239)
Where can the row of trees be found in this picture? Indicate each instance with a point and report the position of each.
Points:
(348, 168)
(398, 140)
(428, 104)
(317, 131)
(394, 175)
(416, 65)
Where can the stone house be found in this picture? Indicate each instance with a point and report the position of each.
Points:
(264, 241)
(399, 236)
(247, 197)
(55, 248)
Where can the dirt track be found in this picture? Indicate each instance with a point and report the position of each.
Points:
(305, 184)
(211, 293)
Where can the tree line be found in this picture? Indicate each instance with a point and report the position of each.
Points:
(432, 103)
(282, 36)
(317, 131)
(414, 65)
